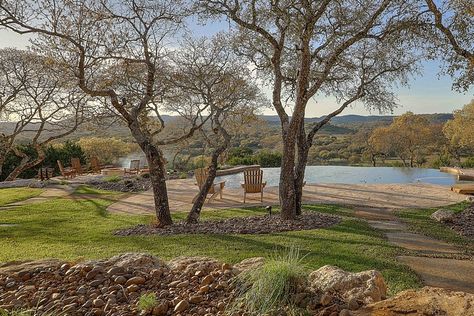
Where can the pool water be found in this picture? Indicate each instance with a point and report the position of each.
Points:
(353, 175)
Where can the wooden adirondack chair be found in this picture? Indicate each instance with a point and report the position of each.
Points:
(134, 167)
(253, 182)
(201, 175)
(76, 165)
(66, 172)
(95, 165)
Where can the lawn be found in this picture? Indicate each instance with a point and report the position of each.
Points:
(81, 228)
(419, 221)
(12, 195)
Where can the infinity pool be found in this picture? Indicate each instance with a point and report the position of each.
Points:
(353, 175)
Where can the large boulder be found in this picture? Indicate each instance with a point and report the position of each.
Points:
(443, 216)
(364, 287)
(426, 301)
(249, 264)
(136, 261)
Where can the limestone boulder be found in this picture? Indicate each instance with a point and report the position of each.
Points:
(425, 301)
(249, 264)
(136, 260)
(443, 216)
(365, 287)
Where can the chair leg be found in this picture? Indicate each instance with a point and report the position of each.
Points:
(244, 196)
(261, 196)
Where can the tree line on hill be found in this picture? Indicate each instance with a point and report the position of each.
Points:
(134, 60)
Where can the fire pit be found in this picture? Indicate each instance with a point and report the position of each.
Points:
(112, 172)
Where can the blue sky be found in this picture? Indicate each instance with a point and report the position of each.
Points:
(427, 93)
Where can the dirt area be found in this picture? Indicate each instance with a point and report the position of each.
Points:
(239, 225)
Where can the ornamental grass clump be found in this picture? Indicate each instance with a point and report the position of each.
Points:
(271, 287)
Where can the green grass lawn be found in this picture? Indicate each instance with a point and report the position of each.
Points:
(76, 229)
(12, 195)
(419, 221)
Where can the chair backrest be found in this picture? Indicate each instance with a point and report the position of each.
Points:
(76, 165)
(135, 164)
(95, 166)
(61, 167)
(201, 175)
(253, 180)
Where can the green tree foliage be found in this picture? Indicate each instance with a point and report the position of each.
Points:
(63, 152)
(460, 130)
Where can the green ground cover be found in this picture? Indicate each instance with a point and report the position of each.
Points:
(419, 221)
(81, 228)
(12, 195)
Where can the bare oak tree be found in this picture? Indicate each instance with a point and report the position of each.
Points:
(116, 51)
(42, 102)
(352, 50)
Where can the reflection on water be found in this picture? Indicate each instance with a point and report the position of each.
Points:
(354, 175)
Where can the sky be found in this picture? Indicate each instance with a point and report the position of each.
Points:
(428, 92)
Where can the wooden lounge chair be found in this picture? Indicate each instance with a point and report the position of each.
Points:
(201, 175)
(253, 182)
(66, 172)
(76, 165)
(95, 165)
(134, 167)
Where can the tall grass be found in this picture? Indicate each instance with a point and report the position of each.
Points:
(270, 287)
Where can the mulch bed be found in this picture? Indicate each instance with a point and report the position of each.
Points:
(138, 184)
(463, 222)
(266, 224)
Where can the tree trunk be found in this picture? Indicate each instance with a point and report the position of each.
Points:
(26, 163)
(303, 151)
(193, 216)
(287, 178)
(156, 165)
(374, 162)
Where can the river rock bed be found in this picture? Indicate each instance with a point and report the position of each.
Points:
(183, 286)
(266, 224)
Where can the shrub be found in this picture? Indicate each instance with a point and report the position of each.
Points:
(237, 161)
(112, 179)
(270, 287)
(441, 161)
(268, 158)
(468, 163)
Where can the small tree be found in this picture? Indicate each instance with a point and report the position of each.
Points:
(45, 106)
(460, 130)
(408, 137)
(208, 74)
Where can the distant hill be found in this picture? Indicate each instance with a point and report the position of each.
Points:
(360, 119)
(340, 125)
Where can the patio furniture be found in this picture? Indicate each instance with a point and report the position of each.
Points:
(95, 165)
(66, 172)
(45, 173)
(201, 176)
(76, 165)
(134, 167)
(253, 182)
